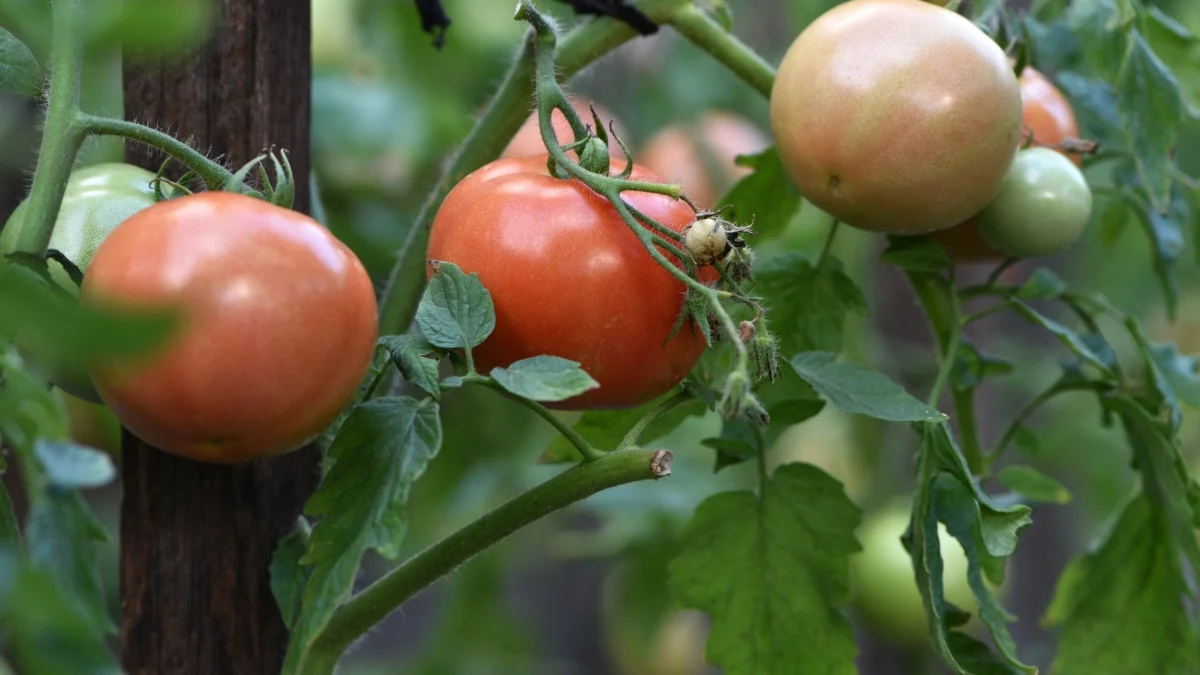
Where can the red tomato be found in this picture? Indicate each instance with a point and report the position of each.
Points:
(702, 159)
(569, 279)
(279, 326)
(528, 141)
(1049, 118)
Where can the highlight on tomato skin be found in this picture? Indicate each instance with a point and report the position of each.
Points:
(568, 278)
(279, 327)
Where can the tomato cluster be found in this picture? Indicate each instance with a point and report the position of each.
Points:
(903, 117)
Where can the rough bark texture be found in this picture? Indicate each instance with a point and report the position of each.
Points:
(197, 539)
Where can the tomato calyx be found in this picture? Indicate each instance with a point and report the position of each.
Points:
(281, 193)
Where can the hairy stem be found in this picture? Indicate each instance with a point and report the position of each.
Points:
(379, 599)
(213, 174)
(589, 453)
(61, 136)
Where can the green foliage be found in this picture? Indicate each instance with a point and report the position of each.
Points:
(605, 428)
(409, 353)
(1034, 484)
(772, 570)
(809, 303)
(457, 312)
(855, 389)
(19, 71)
(544, 378)
(766, 196)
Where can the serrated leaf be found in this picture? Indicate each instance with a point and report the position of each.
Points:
(1150, 109)
(1043, 285)
(604, 429)
(456, 311)
(1179, 49)
(1065, 335)
(46, 634)
(408, 353)
(61, 534)
(544, 378)
(69, 465)
(1095, 105)
(288, 576)
(19, 72)
(808, 306)
(767, 197)
(854, 389)
(1124, 606)
(381, 450)
(730, 451)
(772, 570)
(1101, 31)
(957, 508)
(1034, 484)
(918, 254)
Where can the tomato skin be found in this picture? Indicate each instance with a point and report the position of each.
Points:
(1047, 117)
(1042, 209)
(896, 116)
(279, 326)
(677, 153)
(97, 199)
(528, 141)
(569, 279)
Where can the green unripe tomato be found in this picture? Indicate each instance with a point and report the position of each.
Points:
(97, 199)
(1043, 206)
(883, 582)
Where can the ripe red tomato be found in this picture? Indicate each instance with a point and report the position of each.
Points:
(279, 326)
(1049, 119)
(528, 141)
(569, 279)
(701, 157)
(896, 116)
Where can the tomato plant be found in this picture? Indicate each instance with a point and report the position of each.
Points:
(247, 275)
(516, 226)
(860, 435)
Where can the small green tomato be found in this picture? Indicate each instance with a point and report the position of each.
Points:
(1043, 206)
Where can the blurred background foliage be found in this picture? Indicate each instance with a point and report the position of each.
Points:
(583, 592)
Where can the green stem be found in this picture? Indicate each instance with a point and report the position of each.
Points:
(61, 136)
(589, 453)
(495, 128)
(381, 598)
(971, 318)
(828, 246)
(698, 27)
(213, 174)
(634, 436)
(948, 357)
(940, 302)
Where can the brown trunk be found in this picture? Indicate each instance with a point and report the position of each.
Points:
(197, 539)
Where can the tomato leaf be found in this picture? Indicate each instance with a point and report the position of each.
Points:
(1150, 109)
(381, 450)
(1179, 49)
(919, 254)
(1126, 606)
(772, 570)
(1034, 484)
(1165, 229)
(69, 465)
(1042, 285)
(604, 429)
(456, 311)
(1068, 337)
(46, 633)
(1101, 29)
(730, 451)
(853, 389)
(544, 378)
(957, 508)
(767, 197)
(408, 353)
(1095, 105)
(976, 658)
(808, 305)
(61, 534)
(972, 367)
(19, 71)
(1179, 372)
(288, 576)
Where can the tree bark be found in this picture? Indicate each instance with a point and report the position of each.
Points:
(197, 539)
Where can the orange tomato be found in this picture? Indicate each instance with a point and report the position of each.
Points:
(279, 326)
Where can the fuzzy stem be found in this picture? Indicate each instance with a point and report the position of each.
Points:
(698, 27)
(213, 174)
(589, 453)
